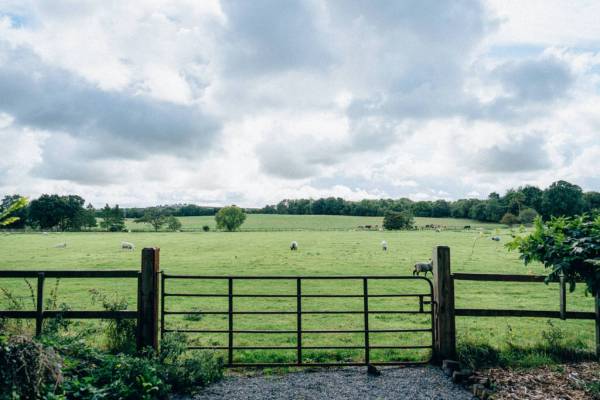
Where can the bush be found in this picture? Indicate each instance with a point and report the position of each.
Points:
(206, 228)
(509, 219)
(173, 223)
(565, 245)
(27, 368)
(394, 220)
(120, 333)
(527, 215)
(230, 218)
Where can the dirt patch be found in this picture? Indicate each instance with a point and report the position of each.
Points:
(567, 381)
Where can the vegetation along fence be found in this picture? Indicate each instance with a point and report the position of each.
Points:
(446, 311)
(147, 291)
(423, 300)
(437, 302)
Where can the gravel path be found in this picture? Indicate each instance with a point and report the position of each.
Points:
(344, 383)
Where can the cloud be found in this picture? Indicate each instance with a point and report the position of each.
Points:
(248, 102)
(523, 154)
(111, 124)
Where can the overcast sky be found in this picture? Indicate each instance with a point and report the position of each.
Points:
(248, 102)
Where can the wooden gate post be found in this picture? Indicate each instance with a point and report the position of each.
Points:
(443, 295)
(597, 310)
(148, 299)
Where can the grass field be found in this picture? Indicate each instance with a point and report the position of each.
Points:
(336, 252)
(270, 223)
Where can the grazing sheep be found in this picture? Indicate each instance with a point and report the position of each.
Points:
(61, 245)
(294, 245)
(423, 267)
(496, 238)
(384, 245)
(127, 246)
(467, 227)
(44, 233)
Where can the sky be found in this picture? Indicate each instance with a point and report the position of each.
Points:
(250, 102)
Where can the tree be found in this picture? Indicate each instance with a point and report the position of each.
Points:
(509, 219)
(173, 223)
(562, 199)
(8, 210)
(527, 215)
(153, 216)
(89, 217)
(565, 245)
(533, 197)
(113, 219)
(395, 220)
(230, 218)
(592, 201)
(440, 209)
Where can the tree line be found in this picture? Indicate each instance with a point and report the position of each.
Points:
(516, 205)
(521, 205)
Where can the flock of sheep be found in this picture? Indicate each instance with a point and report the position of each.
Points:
(420, 267)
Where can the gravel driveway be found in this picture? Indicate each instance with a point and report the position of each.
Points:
(343, 383)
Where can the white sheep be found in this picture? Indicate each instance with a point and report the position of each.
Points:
(127, 246)
(384, 245)
(294, 245)
(61, 245)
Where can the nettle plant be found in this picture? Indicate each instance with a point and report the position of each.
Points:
(569, 246)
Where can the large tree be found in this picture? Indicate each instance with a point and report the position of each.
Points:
(562, 199)
(395, 220)
(154, 216)
(113, 219)
(230, 218)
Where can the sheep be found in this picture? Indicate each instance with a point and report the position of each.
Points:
(496, 238)
(61, 245)
(127, 246)
(294, 245)
(384, 245)
(423, 267)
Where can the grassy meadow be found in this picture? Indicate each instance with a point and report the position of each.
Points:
(328, 245)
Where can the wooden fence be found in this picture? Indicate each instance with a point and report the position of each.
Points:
(147, 291)
(446, 312)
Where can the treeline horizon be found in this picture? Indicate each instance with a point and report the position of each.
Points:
(561, 198)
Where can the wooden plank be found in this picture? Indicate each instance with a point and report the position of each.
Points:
(470, 312)
(498, 277)
(597, 309)
(148, 329)
(39, 314)
(443, 294)
(70, 314)
(70, 274)
(563, 298)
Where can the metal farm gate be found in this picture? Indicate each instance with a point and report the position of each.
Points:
(233, 301)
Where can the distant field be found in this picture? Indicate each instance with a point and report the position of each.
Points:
(268, 222)
(344, 251)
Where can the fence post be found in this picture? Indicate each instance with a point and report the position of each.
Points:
(148, 299)
(597, 309)
(39, 312)
(443, 294)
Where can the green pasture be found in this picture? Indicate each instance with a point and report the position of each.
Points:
(270, 223)
(344, 251)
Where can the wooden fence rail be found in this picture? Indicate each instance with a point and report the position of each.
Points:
(444, 290)
(147, 292)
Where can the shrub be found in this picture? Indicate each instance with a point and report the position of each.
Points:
(394, 220)
(120, 333)
(527, 215)
(27, 368)
(206, 228)
(230, 218)
(565, 245)
(509, 219)
(173, 223)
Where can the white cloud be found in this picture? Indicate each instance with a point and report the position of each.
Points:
(251, 102)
